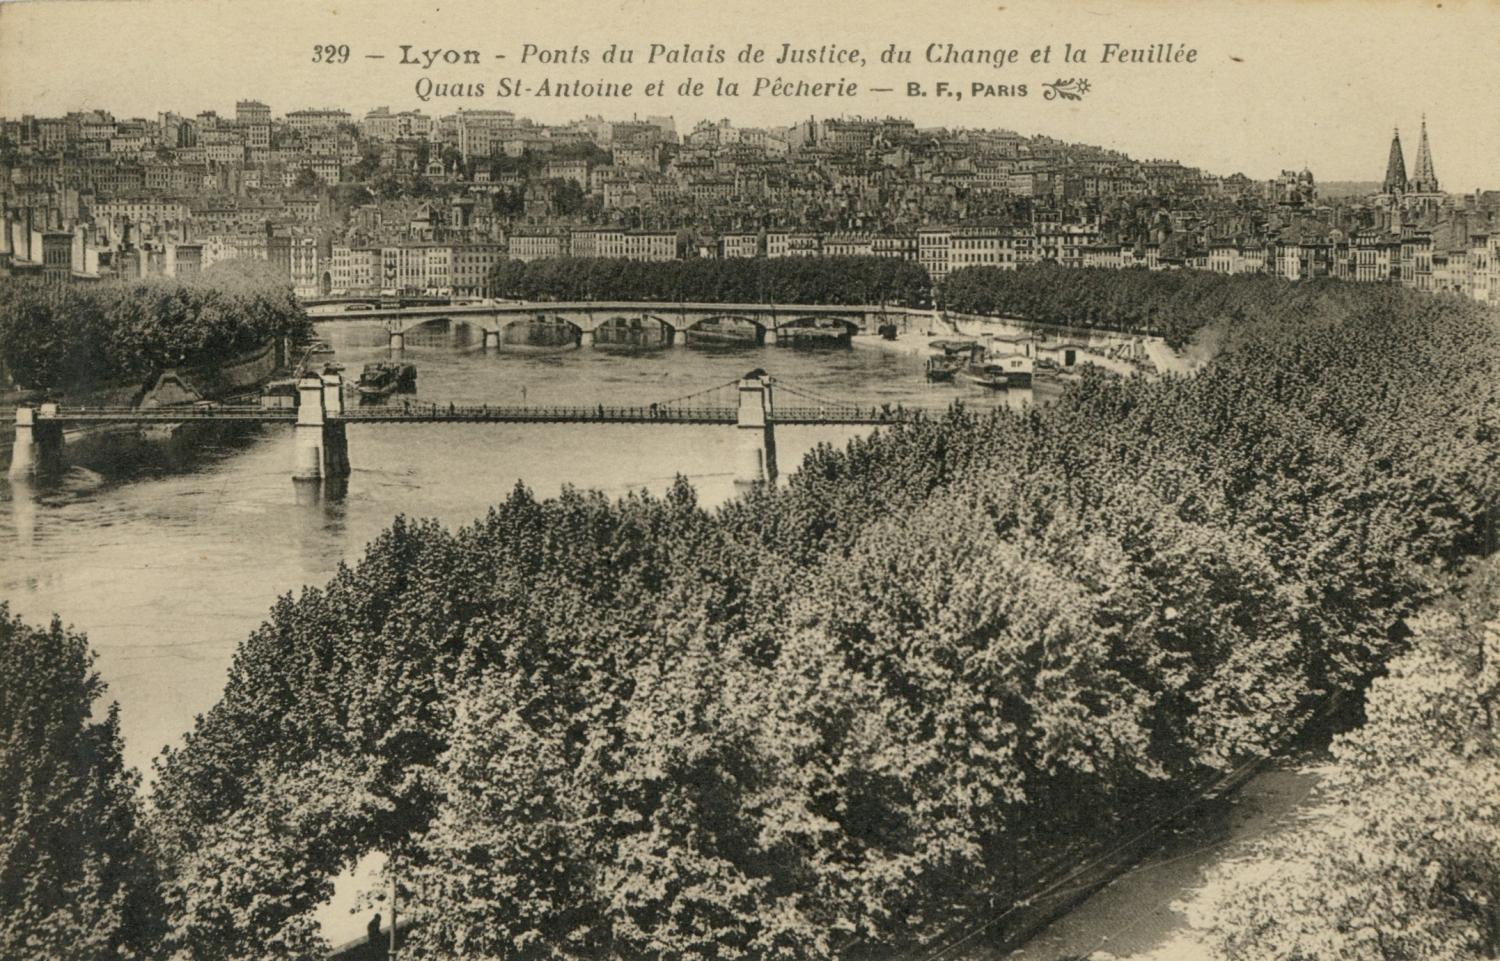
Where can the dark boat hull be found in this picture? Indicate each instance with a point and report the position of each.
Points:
(997, 379)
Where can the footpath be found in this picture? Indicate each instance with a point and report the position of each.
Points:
(1142, 915)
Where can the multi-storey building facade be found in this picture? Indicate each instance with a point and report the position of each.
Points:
(317, 121)
(1004, 247)
(781, 243)
(944, 200)
(538, 245)
(739, 245)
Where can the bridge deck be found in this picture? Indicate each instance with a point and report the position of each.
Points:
(167, 415)
(602, 306)
(454, 414)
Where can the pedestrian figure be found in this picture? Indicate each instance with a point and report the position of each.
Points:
(372, 930)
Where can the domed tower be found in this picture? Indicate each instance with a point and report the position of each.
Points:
(1424, 178)
(1395, 167)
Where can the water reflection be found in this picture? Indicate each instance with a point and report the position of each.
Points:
(169, 546)
(633, 332)
(23, 510)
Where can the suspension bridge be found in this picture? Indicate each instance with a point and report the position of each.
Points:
(752, 404)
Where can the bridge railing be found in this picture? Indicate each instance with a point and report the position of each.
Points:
(840, 414)
(218, 412)
(643, 413)
(165, 409)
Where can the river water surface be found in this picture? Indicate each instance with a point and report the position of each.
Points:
(168, 552)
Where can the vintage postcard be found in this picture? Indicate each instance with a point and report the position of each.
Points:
(671, 479)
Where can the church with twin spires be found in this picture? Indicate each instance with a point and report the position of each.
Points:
(1423, 184)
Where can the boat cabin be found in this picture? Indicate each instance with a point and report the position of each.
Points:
(279, 394)
(1064, 353)
(955, 355)
(1005, 344)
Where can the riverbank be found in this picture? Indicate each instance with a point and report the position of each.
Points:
(1143, 915)
(169, 565)
(1146, 907)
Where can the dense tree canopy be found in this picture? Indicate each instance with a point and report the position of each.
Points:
(1401, 859)
(1175, 304)
(748, 280)
(76, 876)
(845, 715)
(76, 337)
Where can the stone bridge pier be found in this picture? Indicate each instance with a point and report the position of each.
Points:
(320, 442)
(755, 458)
(38, 442)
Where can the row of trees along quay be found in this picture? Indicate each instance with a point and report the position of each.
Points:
(1171, 304)
(782, 280)
(76, 337)
(842, 718)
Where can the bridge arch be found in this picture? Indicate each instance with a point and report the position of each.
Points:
(848, 323)
(731, 327)
(543, 320)
(818, 329)
(438, 331)
(636, 329)
(452, 323)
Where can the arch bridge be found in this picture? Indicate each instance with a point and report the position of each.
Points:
(773, 323)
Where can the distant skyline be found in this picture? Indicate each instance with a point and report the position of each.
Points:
(1276, 85)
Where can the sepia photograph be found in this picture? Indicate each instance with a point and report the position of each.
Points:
(676, 480)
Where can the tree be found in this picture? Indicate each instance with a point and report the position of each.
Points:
(76, 338)
(1402, 857)
(388, 186)
(306, 180)
(567, 196)
(843, 714)
(790, 280)
(76, 876)
(351, 195)
(370, 154)
(245, 274)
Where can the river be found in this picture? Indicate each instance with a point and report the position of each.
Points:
(167, 553)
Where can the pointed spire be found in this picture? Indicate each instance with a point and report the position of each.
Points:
(1395, 167)
(1424, 178)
